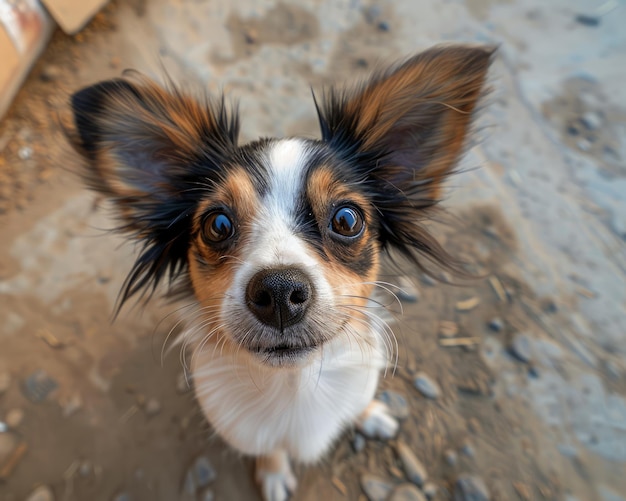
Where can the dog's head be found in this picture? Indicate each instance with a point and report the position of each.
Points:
(280, 238)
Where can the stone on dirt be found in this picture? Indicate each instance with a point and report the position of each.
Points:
(413, 467)
(430, 490)
(38, 386)
(496, 324)
(204, 473)
(427, 386)
(521, 347)
(397, 404)
(358, 442)
(451, 457)
(153, 407)
(471, 488)
(375, 488)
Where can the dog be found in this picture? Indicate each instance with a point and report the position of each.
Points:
(279, 242)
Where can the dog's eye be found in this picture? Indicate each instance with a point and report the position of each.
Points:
(217, 227)
(347, 222)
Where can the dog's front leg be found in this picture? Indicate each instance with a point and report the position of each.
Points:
(274, 476)
(376, 421)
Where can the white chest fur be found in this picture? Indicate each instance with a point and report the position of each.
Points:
(258, 410)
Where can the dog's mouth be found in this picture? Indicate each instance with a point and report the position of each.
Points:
(283, 354)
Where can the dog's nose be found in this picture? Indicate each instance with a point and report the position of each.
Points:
(279, 297)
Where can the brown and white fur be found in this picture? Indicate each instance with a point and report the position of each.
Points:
(279, 241)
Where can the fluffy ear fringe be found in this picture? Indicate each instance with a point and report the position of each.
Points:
(151, 149)
(404, 131)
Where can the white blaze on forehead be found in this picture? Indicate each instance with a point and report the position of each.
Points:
(287, 160)
(273, 239)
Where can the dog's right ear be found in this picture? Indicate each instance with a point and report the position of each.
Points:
(146, 147)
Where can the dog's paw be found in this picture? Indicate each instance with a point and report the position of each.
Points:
(275, 478)
(377, 422)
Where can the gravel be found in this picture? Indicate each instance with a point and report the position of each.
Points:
(375, 488)
(413, 467)
(496, 324)
(427, 386)
(521, 347)
(397, 404)
(471, 488)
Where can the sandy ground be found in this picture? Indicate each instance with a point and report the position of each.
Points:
(530, 362)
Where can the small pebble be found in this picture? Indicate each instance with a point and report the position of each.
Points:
(521, 347)
(496, 324)
(203, 472)
(25, 152)
(383, 26)
(38, 386)
(122, 496)
(589, 21)
(397, 404)
(375, 488)
(428, 280)
(426, 386)
(533, 371)
(372, 13)
(41, 493)
(153, 407)
(14, 418)
(591, 120)
(430, 490)
(5, 382)
(468, 450)
(358, 443)
(407, 492)
(407, 291)
(413, 467)
(471, 488)
(451, 457)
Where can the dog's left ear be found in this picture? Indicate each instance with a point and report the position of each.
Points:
(403, 132)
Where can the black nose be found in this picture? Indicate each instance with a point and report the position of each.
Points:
(279, 297)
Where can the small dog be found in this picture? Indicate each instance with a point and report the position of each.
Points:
(279, 241)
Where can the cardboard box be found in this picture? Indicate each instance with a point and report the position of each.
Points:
(25, 29)
(73, 15)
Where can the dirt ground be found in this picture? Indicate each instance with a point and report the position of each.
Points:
(530, 361)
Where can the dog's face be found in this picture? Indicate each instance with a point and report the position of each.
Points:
(281, 238)
(285, 249)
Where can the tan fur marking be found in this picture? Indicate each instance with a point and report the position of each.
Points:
(437, 88)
